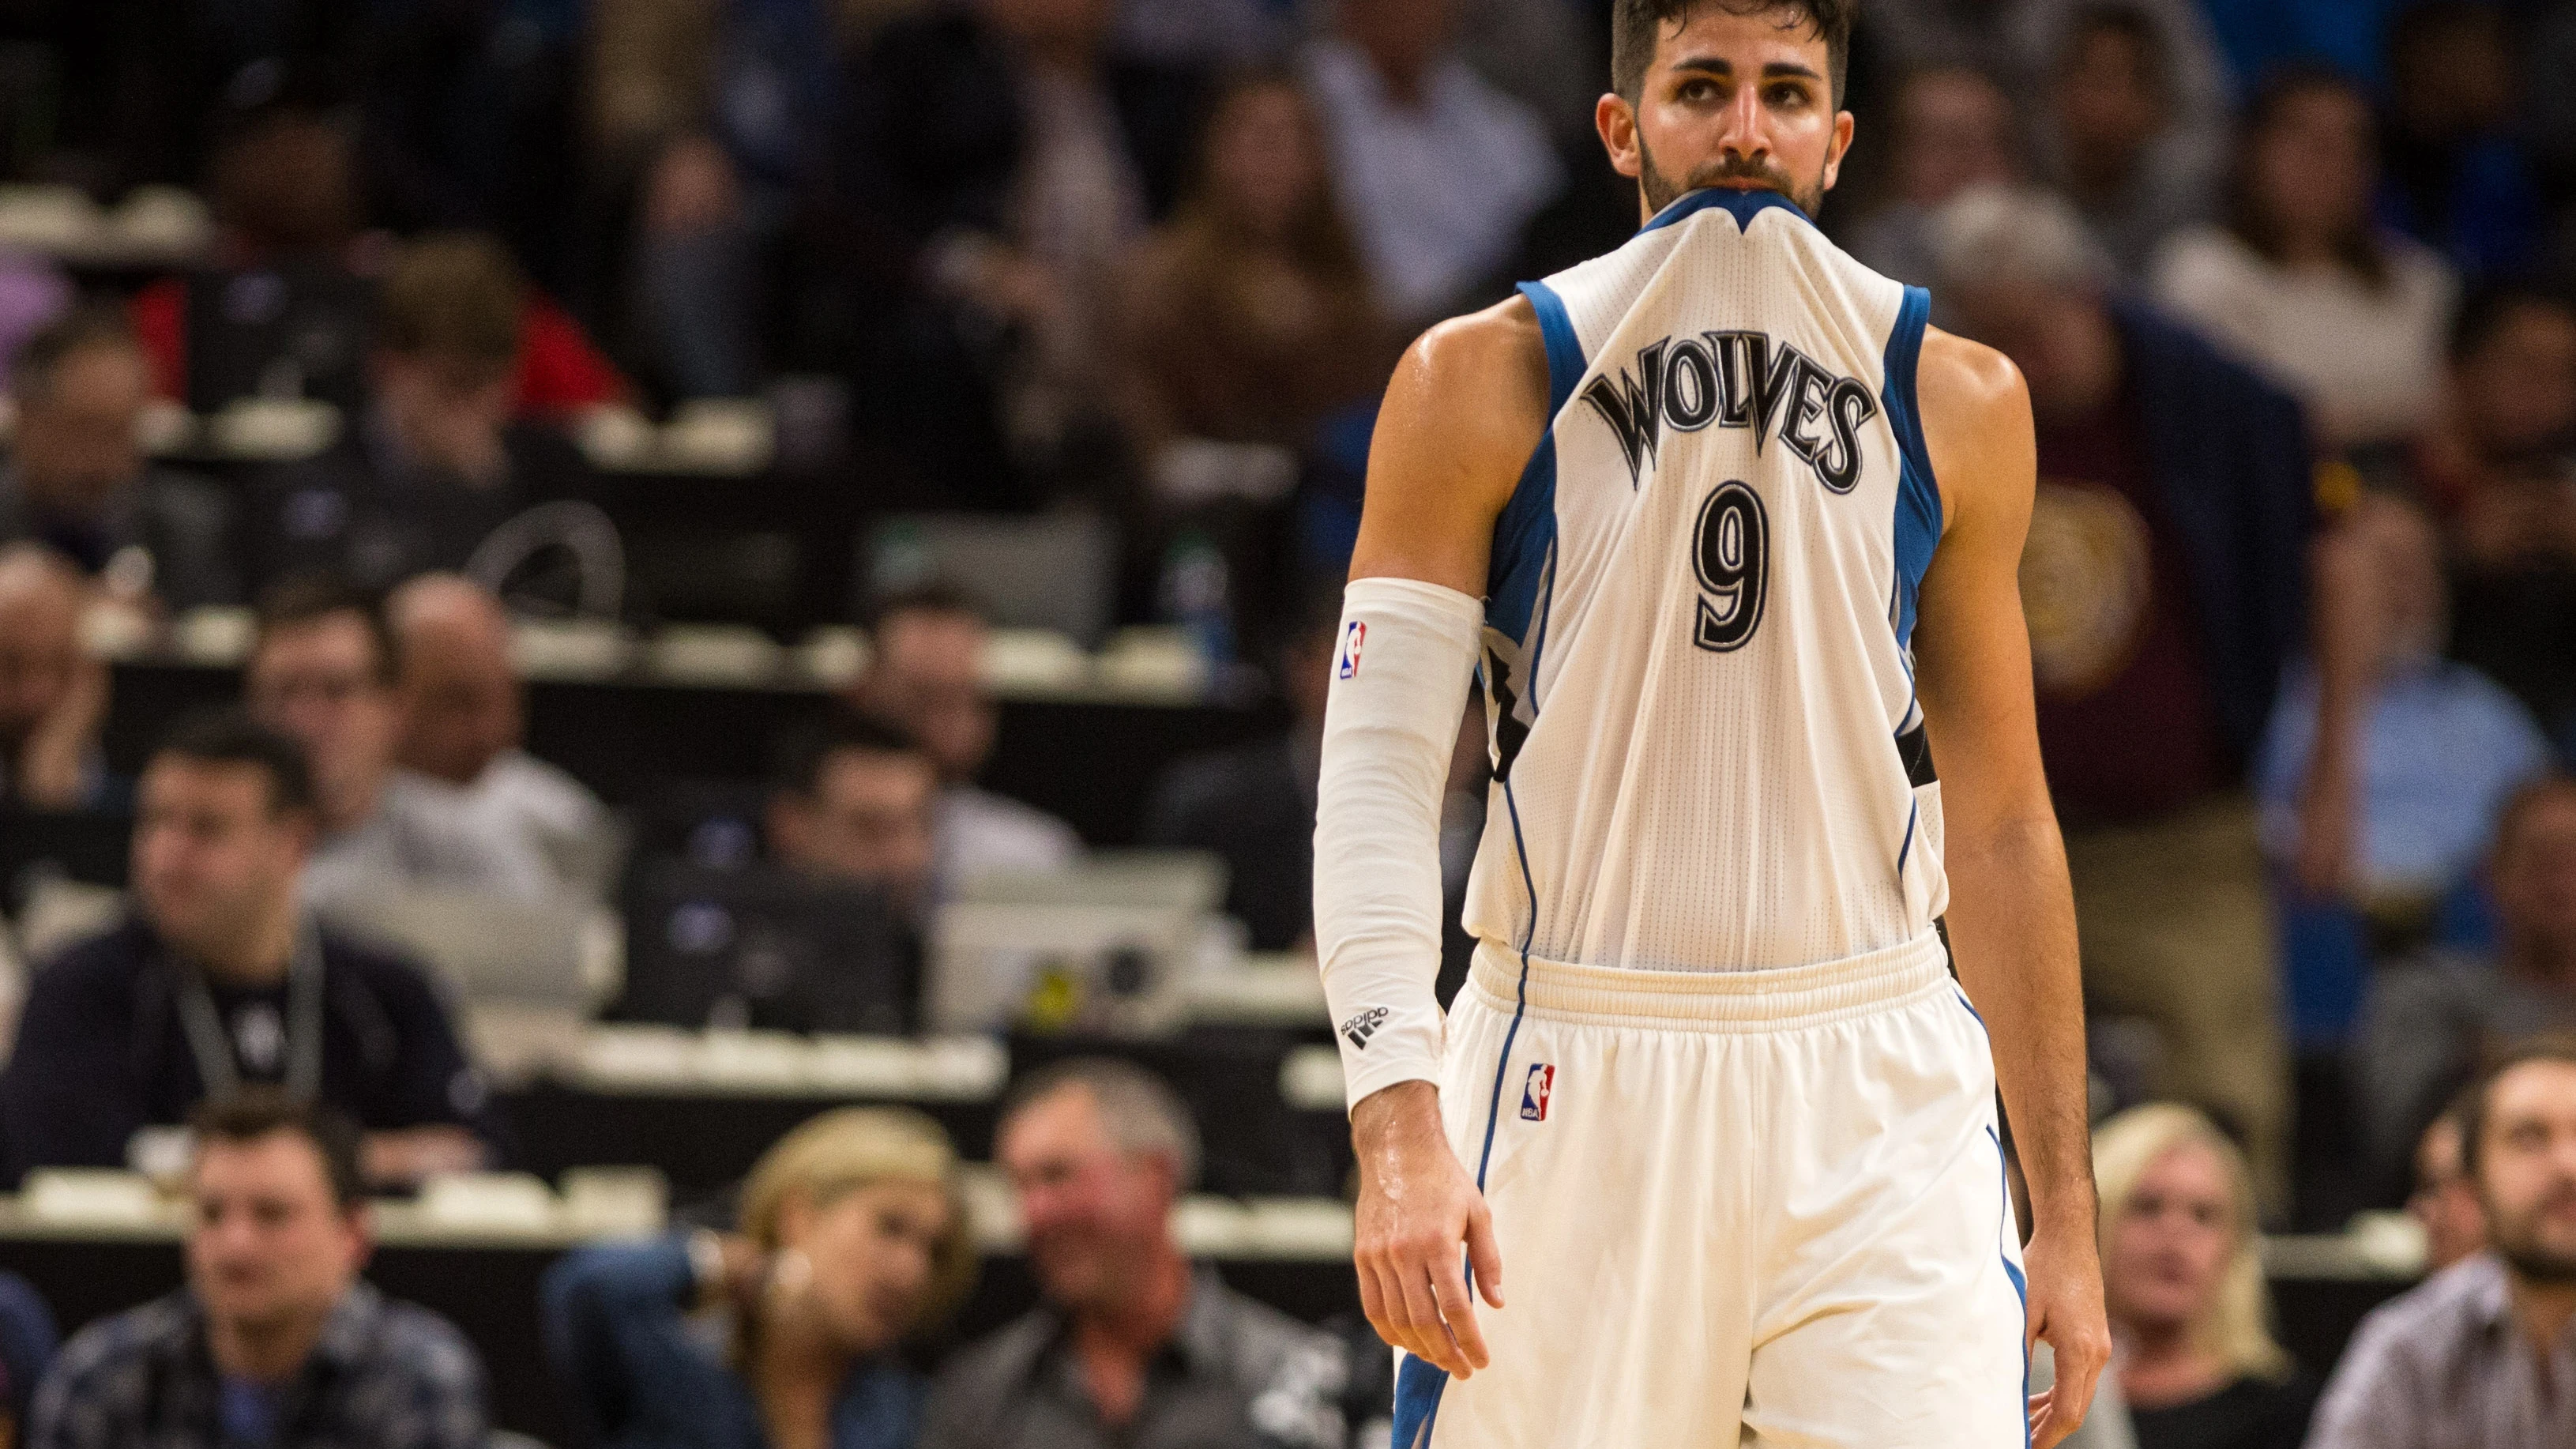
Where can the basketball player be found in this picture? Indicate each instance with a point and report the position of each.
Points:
(1731, 537)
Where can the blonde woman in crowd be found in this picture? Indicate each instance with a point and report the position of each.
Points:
(852, 1236)
(2189, 1311)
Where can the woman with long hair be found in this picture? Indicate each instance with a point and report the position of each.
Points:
(2184, 1281)
(2303, 281)
(1247, 317)
(852, 1237)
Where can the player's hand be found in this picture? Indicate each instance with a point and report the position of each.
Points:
(1417, 1210)
(2064, 1274)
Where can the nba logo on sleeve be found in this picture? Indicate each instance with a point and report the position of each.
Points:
(1353, 635)
(1534, 1093)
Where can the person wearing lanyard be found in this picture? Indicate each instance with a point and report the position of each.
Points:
(217, 980)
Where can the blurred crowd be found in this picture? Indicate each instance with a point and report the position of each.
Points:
(2293, 288)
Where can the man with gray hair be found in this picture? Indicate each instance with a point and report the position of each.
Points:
(2165, 581)
(1133, 1345)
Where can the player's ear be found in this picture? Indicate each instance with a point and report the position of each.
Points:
(1838, 148)
(1616, 120)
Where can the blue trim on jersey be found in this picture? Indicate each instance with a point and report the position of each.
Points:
(1907, 848)
(1525, 534)
(1742, 205)
(2014, 1275)
(2003, 1179)
(1418, 1384)
(1972, 1011)
(1918, 497)
(1417, 1401)
(1529, 932)
(1566, 363)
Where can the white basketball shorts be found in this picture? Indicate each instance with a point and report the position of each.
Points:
(1748, 1208)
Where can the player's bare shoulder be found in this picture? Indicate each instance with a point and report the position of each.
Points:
(1976, 425)
(1481, 379)
(1466, 408)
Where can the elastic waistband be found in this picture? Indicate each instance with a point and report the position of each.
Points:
(1768, 999)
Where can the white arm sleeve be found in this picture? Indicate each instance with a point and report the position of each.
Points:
(1399, 685)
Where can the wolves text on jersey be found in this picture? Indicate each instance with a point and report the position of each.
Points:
(1736, 380)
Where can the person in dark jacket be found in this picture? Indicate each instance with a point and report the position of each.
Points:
(994, 164)
(217, 980)
(78, 482)
(853, 1236)
(2166, 582)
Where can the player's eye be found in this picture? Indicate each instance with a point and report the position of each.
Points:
(1788, 96)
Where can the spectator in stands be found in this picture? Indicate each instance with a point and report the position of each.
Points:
(924, 675)
(2483, 1353)
(1952, 128)
(2303, 282)
(2508, 421)
(2432, 1021)
(2166, 588)
(1204, 32)
(77, 478)
(434, 464)
(2111, 138)
(2441, 746)
(1131, 1345)
(693, 303)
(2183, 1278)
(2445, 1202)
(463, 718)
(2497, 466)
(217, 978)
(1255, 805)
(323, 672)
(856, 802)
(1015, 160)
(2020, 43)
(2458, 180)
(53, 696)
(287, 302)
(1439, 171)
(1248, 317)
(853, 1237)
(27, 1341)
(275, 1340)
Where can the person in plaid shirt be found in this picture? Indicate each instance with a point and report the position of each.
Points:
(275, 1342)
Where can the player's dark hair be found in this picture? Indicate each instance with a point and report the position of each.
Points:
(804, 751)
(227, 735)
(1635, 26)
(2559, 1049)
(311, 598)
(256, 1112)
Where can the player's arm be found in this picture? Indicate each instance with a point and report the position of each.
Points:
(1466, 407)
(2012, 912)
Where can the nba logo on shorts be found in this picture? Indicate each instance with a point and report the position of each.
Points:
(1542, 1080)
(1352, 637)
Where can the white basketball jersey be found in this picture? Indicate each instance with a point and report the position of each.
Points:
(1697, 661)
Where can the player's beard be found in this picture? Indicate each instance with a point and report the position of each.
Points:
(1662, 192)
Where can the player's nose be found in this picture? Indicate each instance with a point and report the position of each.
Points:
(1746, 136)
